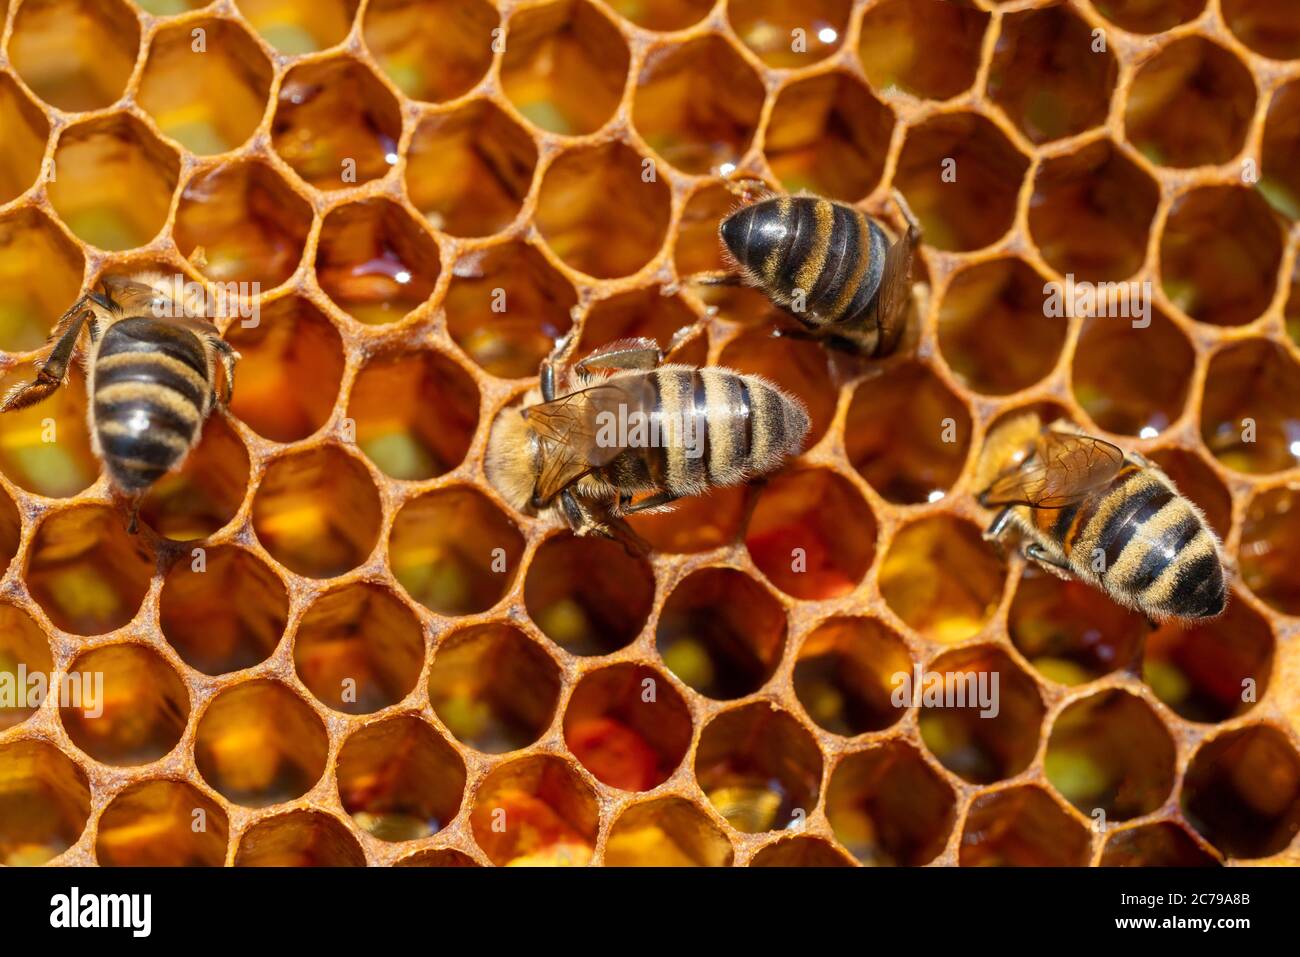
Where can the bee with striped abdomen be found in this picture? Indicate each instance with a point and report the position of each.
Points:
(152, 377)
(1083, 508)
(628, 426)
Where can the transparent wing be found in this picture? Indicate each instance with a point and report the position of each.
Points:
(135, 298)
(894, 298)
(1064, 468)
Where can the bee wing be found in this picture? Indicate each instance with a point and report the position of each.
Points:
(134, 298)
(896, 285)
(1064, 469)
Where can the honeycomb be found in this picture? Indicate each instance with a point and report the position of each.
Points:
(333, 643)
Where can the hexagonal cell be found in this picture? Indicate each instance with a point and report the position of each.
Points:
(30, 244)
(493, 687)
(628, 726)
(24, 652)
(1212, 670)
(759, 768)
(359, 649)
(1066, 633)
(1048, 76)
(1130, 378)
(176, 76)
(289, 372)
(1196, 480)
(1021, 827)
(299, 839)
(210, 632)
(157, 824)
(888, 807)
(86, 572)
(800, 852)
(564, 67)
(1161, 844)
(580, 188)
(812, 534)
(1149, 16)
(249, 224)
(961, 177)
(642, 314)
(469, 170)
(1268, 28)
(906, 434)
(454, 551)
(25, 130)
(697, 104)
(846, 674)
(786, 36)
(721, 633)
(698, 524)
(928, 48)
(75, 54)
(259, 744)
(114, 181)
(667, 832)
(438, 857)
(204, 494)
(1250, 410)
(994, 332)
(1279, 176)
(1269, 553)
(375, 262)
(535, 811)
(433, 50)
(1241, 791)
(300, 26)
(1190, 105)
(400, 780)
(44, 804)
(317, 512)
(942, 578)
(588, 595)
(506, 306)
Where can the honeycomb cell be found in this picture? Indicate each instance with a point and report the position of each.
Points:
(44, 804)
(210, 632)
(846, 674)
(1021, 827)
(697, 104)
(25, 130)
(433, 50)
(24, 653)
(299, 839)
(295, 27)
(800, 368)
(249, 224)
(535, 811)
(185, 64)
(1269, 553)
(628, 726)
(359, 649)
(812, 534)
(788, 36)
(493, 687)
(961, 177)
(259, 744)
(415, 413)
(578, 191)
(75, 54)
(205, 493)
(1211, 670)
(1161, 844)
(800, 852)
(317, 512)
(1267, 27)
(1066, 633)
(1241, 792)
(641, 314)
(438, 857)
(588, 595)
(942, 578)
(1198, 482)
(1149, 16)
(87, 574)
(994, 330)
(888, 808)
(375, 262)
(469, 170)
(928, 48)
(114, 182)
(30, 242)
(400, 780)
(759, 768)
(290, 368)
(1250, 411)
(666, 832)
(1133, 378)
(564, 67)
(698, 524)
(906, 434)
(1048, 75)
(1279, 173)
(454, 551)
(1190, 105)
(505, 308)
(721, 633)
(162, 823)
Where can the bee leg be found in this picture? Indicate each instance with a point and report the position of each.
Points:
(714, 277)
(913, 224)
(749, 189)
(653, 502)
(133, 521)
(623, 354)
(51, 373)
(1034, 552)
(227, 357)
(998, 527)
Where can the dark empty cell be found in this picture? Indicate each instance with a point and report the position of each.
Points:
(1279, 172)
(1133, 378)
(1149, 16)
(299, 839)
(431, 49)
(847, 673)
(554, 813)
(1161, 844)
(1021, 827)
(787, 35)
(1269, 553)
(929, 48)
(151, 824)
(1269, 27)
(1250, 410)
(75, 54)
(44, 805)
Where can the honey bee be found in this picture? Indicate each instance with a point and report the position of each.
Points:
(152, 378)
(1083, 508)
(629, 425)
